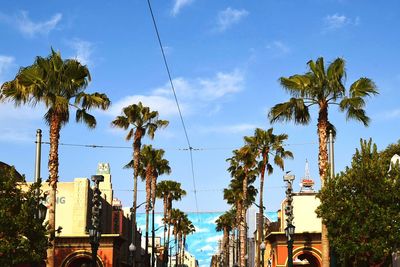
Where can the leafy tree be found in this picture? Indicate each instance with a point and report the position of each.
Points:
(323, 88)
(266, 144)
(361, 210)
(22, 237)
(59, 85)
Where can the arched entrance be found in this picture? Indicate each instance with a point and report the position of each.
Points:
(80, 258)
(307, 260)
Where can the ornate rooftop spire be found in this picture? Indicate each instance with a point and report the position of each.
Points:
(307, 182)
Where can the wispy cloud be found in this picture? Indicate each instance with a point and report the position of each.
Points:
(336, 21)
(389, 115)
(178, 5)
(83, 51)
(6, 62)
(30, 28)
(20, 118)
(193, 94)
(229, 17)
(206, 248)
(214, 238)
(229, 129)
(16, 135)
(278, 48)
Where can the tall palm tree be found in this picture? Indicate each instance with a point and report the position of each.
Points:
(323, 88)
(243, 166)
(175, 220)
(59, 85)
(187, 228)
(265, 144)
(225, 223)
(143, 122)
(168, 191)
(151, 165)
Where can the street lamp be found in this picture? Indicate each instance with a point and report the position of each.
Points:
(95, 229)
(132, 249)
(289, 230)
(262, 247)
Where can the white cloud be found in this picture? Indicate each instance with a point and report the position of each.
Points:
(229, 129)
(193, 95)
(166, 107)
(22, 113)
(19, 119)
(83, 51)
(178, 5)
(229, 17)
(336, 21)
(16, 135)
(6, 62)
(202, 230)
(29, 28)
(388, 115)
(213, 238)
(221, 85)
(206, 248)
(278, 48)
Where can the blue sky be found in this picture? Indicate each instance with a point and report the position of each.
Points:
(225, 58)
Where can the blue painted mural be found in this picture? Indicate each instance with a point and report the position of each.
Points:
(204, 242)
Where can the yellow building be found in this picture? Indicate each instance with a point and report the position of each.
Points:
(73, 219)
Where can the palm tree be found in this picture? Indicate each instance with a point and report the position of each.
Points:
(187, 228)
(151, 165)
(169, 191)
(225, 223)
(243, 166)
(175, 220)
(59, 85)
(143, 121)
(323, 88)
(234, 196)
(265, 143)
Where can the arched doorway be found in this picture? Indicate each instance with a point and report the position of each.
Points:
(80, 259)
(307, 260)
(80, 262)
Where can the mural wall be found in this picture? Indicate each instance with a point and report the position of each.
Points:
(204, 242)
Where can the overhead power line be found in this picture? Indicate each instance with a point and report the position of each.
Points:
(179, 149)
(176, 101)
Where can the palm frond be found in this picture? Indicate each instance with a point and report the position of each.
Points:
(83, 116)
(294, 109)
(363, 87)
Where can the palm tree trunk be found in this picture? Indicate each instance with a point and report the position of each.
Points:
(323, 166)
(136, 156)
(243, 224)
(225, 247)
(153, 206)
(260, 223)
(53, 179)
(165, 220)
(148, 195)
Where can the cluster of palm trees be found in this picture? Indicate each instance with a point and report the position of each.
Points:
(254, 158)
(319, 86)
(60, 86)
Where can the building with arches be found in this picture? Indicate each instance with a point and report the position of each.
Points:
(307, 238)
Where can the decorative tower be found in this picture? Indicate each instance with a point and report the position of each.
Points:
(307, 182)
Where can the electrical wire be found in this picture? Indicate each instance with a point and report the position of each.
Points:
(178, 149)
(176, 100)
